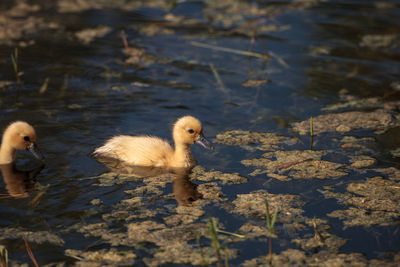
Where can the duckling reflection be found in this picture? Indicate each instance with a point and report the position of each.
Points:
(185, 192)
(19, 184)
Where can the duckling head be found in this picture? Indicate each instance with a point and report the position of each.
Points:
(188, 130)
(20, 135)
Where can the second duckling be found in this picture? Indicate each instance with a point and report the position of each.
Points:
(156, 152)
(19, 135)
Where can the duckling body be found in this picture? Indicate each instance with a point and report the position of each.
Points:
(19, 135)
(155, 152)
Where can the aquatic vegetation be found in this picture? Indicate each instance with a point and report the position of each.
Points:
(200, 174)
(379, 41)
(295, 257)
(270, 226)
(361, 161)
(252, 205)
(38, 237)
(102, 257)
(86, 36)
(255, 82)
(260, 140)
(3, 256)
(373, 201)
(378, 121)
(14, 60)
(297, 164)
(354, 103)
(359, 144)
(20, 27)
(212, 233)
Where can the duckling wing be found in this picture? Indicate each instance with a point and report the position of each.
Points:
(137, 150)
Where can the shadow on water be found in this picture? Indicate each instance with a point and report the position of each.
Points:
(184, 191)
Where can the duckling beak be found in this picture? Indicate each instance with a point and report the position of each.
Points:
(204, 142)
(33, 148)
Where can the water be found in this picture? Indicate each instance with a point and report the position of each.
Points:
(92, 95)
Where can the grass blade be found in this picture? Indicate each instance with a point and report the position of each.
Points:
(30, 253)
(230, 50)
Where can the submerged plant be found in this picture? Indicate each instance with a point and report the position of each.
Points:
(212, 231)
(205, 261)
(14, 60)
(311, 133)
(3, 256)
(270, 228)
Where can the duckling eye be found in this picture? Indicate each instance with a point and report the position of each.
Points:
(27, 139)
(191, 131)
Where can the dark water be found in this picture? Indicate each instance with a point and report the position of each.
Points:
(93, 95)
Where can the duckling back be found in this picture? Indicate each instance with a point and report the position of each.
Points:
(137, 150)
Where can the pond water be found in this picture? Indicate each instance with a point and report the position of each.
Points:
(93, 69)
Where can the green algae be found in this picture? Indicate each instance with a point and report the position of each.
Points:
(297, 164)
(200, 174)
(20, 27)
(38, 237)
(86, 36)
(295, 257)
(261, 140)
(362, 161)
(370, 202)
(252, 205)
(379, 41)
(101, 257)
(357, 143)
(379, 121)
(355, 103)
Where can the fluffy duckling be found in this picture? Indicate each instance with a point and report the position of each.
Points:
(156, 152)
(19, 135)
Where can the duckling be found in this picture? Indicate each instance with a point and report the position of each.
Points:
(156, 152)
(19, 135)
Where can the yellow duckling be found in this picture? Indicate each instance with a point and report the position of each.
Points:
(18, 135)
(156, 152)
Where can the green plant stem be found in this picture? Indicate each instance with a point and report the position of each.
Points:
(212, 230)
